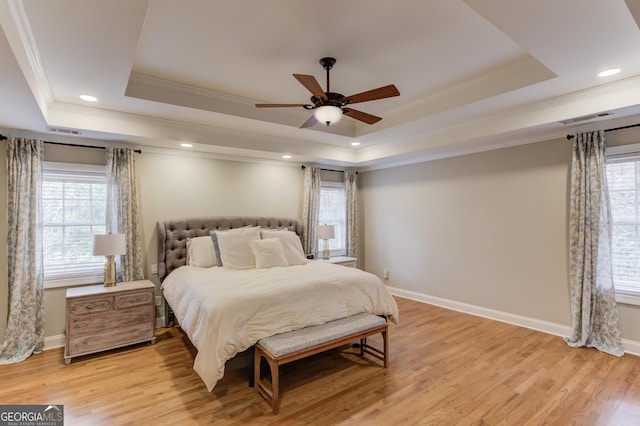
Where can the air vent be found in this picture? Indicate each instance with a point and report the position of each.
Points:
(64, 131)
(586, 118)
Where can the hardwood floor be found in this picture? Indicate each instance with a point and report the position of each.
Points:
(445, 368)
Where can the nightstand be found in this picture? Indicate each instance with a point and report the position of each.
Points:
(350, 262)
(100, 318)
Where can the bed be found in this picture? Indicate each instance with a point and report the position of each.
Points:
(225, 310)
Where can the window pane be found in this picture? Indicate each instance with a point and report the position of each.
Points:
(333, 212)
(52, 190)
(624, 205)
(623, 180)
(53, 211)
(74, 206)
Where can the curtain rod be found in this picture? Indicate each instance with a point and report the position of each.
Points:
(327, 170)
(139, 151)
(569, 137)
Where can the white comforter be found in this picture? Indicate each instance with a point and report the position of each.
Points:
(227, 311)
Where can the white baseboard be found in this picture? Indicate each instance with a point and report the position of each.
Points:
(160, 322)
(52, 342)
(630, 346)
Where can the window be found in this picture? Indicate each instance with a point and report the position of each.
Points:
(74, 209)
(333, 211)
(623, 179)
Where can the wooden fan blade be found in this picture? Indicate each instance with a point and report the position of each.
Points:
(371, 95)
(310, 122)
(312, 85)
(281, 105)
(362, 116)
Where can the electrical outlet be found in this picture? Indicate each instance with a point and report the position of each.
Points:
(386, 274)
(154, 269)
(158, 300)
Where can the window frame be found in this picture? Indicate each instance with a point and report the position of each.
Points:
(342, 250)
(617, 154)
(93, 275)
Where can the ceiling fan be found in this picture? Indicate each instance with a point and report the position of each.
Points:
(330, 106)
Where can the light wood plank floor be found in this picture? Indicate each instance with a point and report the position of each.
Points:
(446, 368)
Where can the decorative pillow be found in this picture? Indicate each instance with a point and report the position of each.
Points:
(200, 252)
(268, 253)
(291, 245)
(216, 247)
(235, 247)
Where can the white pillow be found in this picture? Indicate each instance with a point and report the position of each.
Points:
(200, 252)
(268, 253)
(235, 247)
(291, 245)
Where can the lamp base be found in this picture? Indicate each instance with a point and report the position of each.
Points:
(110, 272)
(325, 250)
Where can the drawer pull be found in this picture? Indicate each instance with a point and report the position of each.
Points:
(134, 299)
(81, 325)
(143, 331)
(81, 344)
(144, 315)
(91, 306)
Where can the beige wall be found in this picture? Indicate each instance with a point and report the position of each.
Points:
(173, 186)
(487, 229)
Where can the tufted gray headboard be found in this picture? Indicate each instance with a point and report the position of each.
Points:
(173, 235)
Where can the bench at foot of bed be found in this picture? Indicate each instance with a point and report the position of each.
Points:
(286, 347)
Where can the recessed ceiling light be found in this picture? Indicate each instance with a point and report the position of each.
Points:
(186, 145)
(355, 143)
(286, 157)
(88, 98)
(609, 72)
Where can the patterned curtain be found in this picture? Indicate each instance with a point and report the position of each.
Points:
(122, 211)
(25, 323)
(311, 209)
(595, 318)
(351, 193)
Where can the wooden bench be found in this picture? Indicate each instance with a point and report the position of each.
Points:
(293, 345)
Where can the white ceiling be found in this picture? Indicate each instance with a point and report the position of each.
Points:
(473, 74)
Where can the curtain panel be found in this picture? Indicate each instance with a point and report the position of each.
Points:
(25, 322)
(311, 209)
(595, 317)
(351, 196)
(123, 215)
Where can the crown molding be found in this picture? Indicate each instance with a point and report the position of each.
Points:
(17, 28)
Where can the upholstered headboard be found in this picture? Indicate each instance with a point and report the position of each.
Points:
(173, 235)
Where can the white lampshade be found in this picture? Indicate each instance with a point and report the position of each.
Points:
(328, 114)
(325, 232)
(109, 244)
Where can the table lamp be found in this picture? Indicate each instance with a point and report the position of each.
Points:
(326, 233)
(109, 245)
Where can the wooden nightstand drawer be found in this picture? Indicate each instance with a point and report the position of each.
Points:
(88, 324)
(88, 306)
(134, 299)
(101, 318)
(108, 339)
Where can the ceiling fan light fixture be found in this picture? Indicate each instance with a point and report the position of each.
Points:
(328, 114)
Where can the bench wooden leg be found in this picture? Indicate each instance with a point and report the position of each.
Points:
(385, 342)
(271, 395)
(383, 354)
